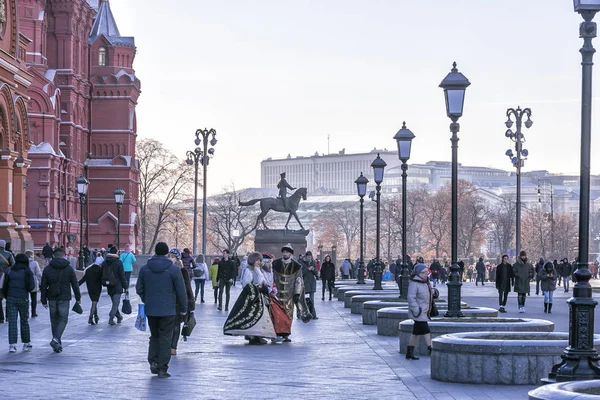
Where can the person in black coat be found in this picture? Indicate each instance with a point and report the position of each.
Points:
(504, 282)
(19, 283)
(113, 276)
(92, 277)
(226, 274)
(47, 252)
(327, 276)
(480, 268)
(565, 271)
(58, 279)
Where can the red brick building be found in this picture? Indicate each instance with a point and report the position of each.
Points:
(82, 121)
(15, 80)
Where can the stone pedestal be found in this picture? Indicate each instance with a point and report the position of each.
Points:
(272, 240)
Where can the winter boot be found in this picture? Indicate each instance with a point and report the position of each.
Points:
(429, 350)
(409, 353)
(545, 307)
(549, 308)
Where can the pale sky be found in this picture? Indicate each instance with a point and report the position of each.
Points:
(275, 77)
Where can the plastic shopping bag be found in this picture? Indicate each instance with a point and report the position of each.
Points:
(140, 321)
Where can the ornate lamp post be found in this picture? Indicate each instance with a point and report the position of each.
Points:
(455, 85)
(580, 359)
(119, 199)
(517, 160)
(201, 156)
(334, 253)
(320, 248)
(82, 189)
(361, 186)
(404, 139)
(551, 211)
(378, 166)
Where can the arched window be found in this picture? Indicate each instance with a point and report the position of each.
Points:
(102, 56)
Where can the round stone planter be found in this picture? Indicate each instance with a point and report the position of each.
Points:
(443, 326)
(389, 319)
(357, 302)
(370, 308)
(386, 292)
(498, 358)
(581, 390)
(366, 289)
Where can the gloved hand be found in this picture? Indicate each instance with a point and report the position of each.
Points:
(263, 289)
(296, 298)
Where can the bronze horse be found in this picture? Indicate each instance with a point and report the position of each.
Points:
(276, 204)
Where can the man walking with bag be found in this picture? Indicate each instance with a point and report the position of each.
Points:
(160, 286)
(113, 277)
(57, 280)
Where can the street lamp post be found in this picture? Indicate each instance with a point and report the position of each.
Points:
(580, 358)
(517, 159)
(378, 166)
(551, 211)
(454, 85)
(201, 156)
(361, 186)
(119, 199)
(82, 188)
(404, 139)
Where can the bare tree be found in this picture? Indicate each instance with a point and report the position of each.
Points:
(160, 173)
(228, 223)
(502, 222)
(437, 221)
(339, 224)
(535, 233)
(472, 219)
(566, 235)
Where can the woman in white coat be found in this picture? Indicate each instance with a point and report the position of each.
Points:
(420, 300)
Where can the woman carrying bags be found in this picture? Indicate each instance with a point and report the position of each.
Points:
(420, 300)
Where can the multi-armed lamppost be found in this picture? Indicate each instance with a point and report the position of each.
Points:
(378, 166)
(82, 189)
(404, 138)
(517, 159)
(119, 199)
(361, 186)
(455, 85)
(580, 359)
(201, 156)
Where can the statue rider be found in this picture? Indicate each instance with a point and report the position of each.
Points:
(283, 186)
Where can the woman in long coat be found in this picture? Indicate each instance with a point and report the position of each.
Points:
(92, 276)
(548, 283)
(250, 316)
(420, 301)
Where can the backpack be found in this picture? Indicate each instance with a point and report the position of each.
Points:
(108, 275)
(54, 288)
(198, 272)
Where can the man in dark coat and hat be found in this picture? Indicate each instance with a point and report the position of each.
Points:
(287, 277)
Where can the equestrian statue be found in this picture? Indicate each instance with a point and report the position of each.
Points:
(282, 203)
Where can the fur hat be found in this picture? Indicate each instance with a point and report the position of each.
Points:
(287, 247)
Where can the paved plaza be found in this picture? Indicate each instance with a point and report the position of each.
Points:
(334, 357)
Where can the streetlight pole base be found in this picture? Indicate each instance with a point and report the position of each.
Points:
(361, 274)
(454, 296)
(580, 360)
(377, 277)
(403, 282)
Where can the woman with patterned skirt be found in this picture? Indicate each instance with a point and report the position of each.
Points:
(250, 316)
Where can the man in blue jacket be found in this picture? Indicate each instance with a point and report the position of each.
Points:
(160, 286)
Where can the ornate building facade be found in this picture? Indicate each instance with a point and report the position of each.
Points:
(82, 119)
(15, 81)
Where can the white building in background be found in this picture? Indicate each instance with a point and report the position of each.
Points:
(324, 174)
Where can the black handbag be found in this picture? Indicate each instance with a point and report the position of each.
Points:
(189, 325)
(126, 307)
(434, 310)
(77, 308)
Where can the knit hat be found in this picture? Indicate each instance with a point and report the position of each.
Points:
(267, 256)
(419, 268)
(287, 247)
(176, 253)
(2, 243)
(522, 253)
